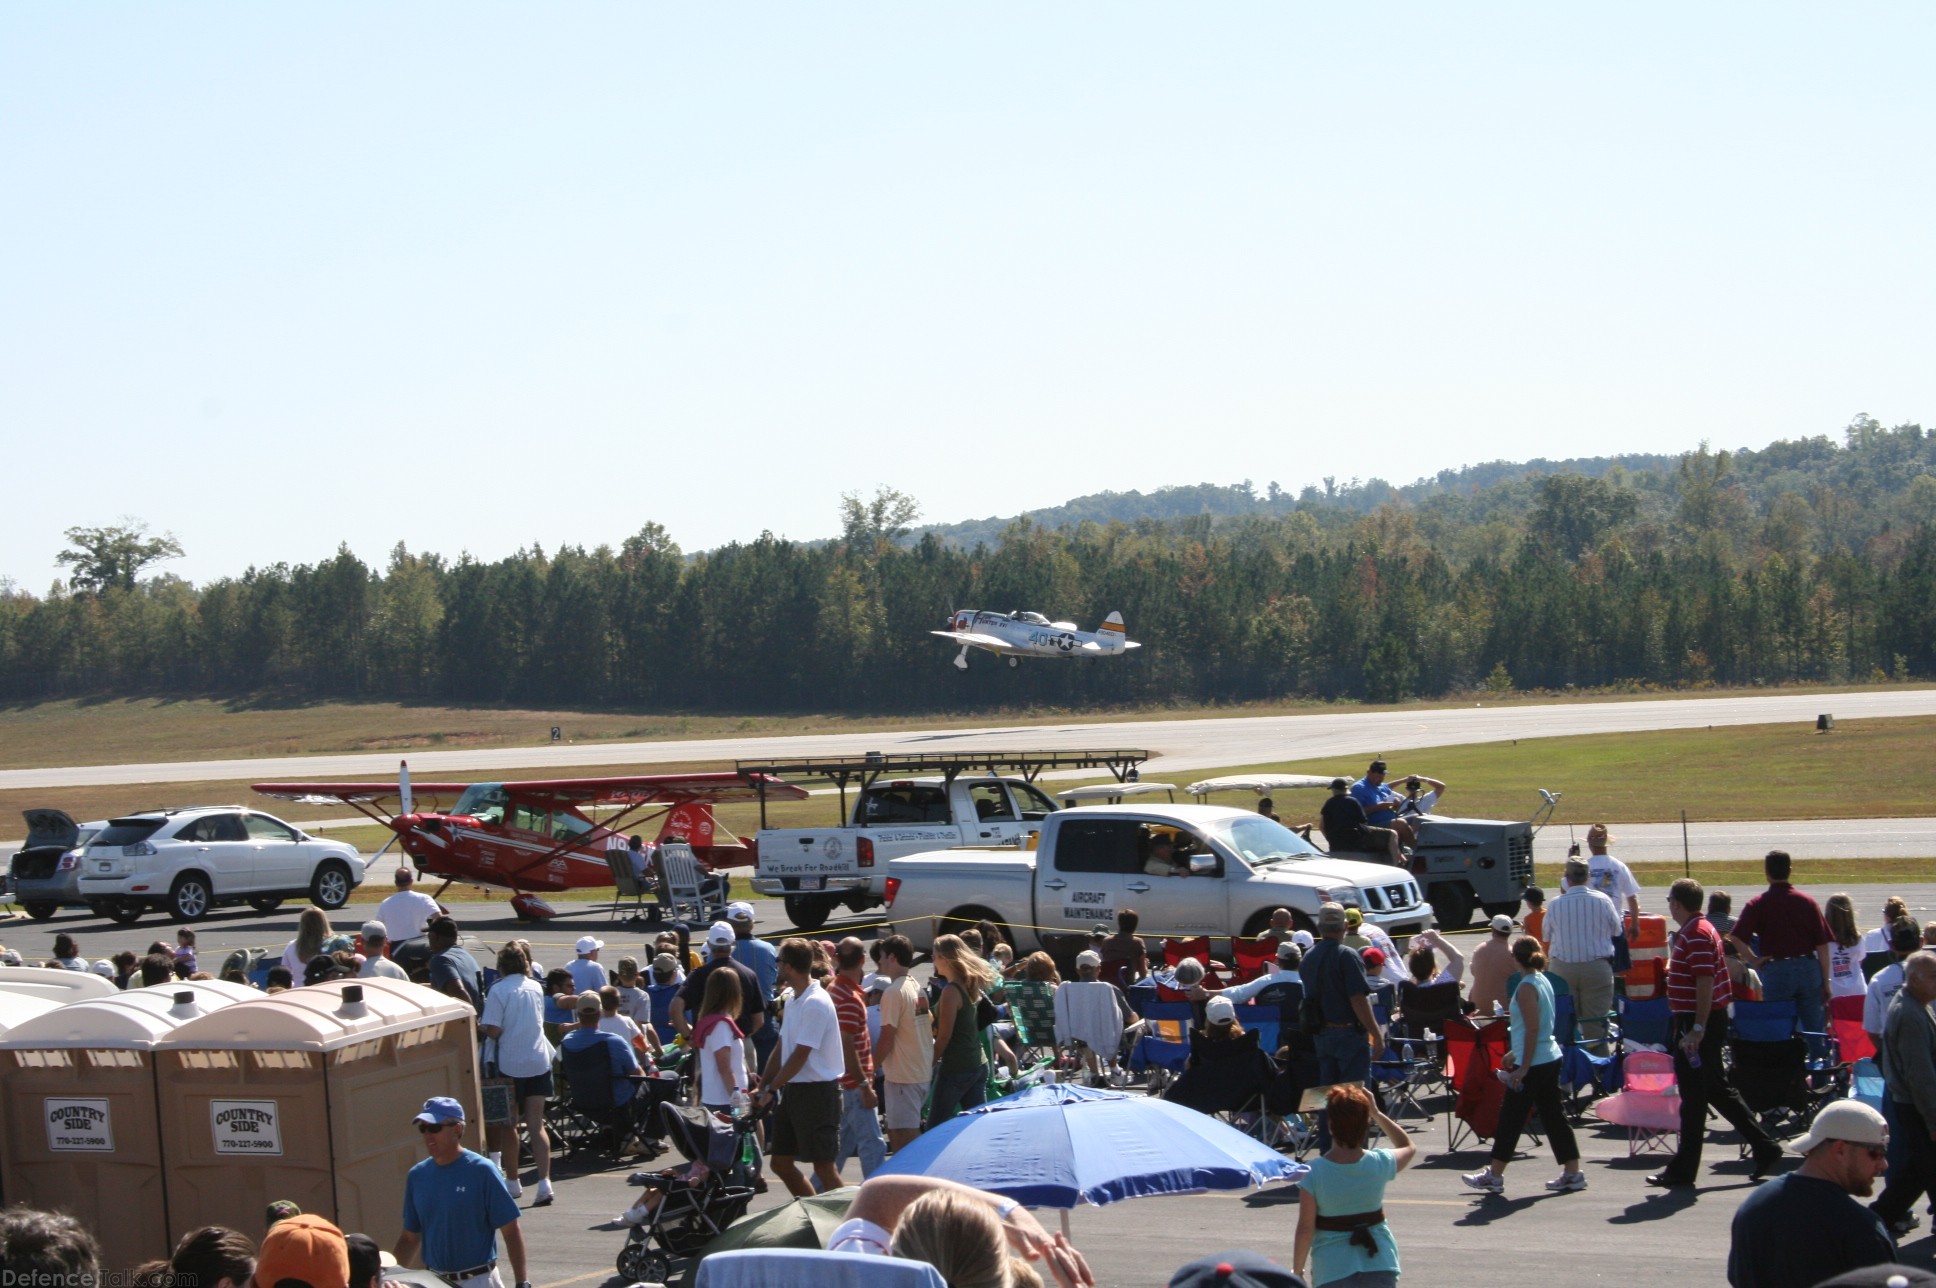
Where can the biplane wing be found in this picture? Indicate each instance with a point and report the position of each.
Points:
(350, 793)
(652, 789)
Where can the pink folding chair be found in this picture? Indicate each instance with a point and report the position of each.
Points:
(1648, 1104)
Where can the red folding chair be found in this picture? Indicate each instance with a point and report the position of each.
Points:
(1472, 1055)
(1845, 1022)
(1252, 957)
(1175, 950)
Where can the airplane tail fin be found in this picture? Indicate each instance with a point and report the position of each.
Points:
(1112, 625)
(712, 841)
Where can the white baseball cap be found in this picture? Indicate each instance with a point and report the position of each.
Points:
(1303, 939)
(1502, 925)
(874, 982)
(720, 935)
(587, 945)
(739, 912)
(1088, 957)
(1220, 1010)
(1849, 1120)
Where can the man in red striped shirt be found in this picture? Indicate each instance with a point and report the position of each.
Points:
(1698, 997)
(860, 1123)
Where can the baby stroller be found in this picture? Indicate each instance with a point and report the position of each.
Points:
(695, 1200)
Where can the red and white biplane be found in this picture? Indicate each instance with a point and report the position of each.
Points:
(531, 838)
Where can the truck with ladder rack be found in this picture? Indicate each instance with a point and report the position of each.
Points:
(904, 803)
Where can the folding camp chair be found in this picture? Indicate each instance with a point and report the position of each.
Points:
(1401, 1072)
(1852, 1041)
(1769, 1062)
(1162, 1050)
(1648, 1104)
(1251, 958)
(1228, 1079)
(1583, 1070)
(1472, 1055)
(1175, 950)
(1645, 1022)
(1866, 1084)
(1031, 1007)
(787, 1267)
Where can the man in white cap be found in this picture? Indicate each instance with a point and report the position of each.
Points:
(1806, 1227)
(376, 963)
(719, 956)
(407, 913)
(587, 976)
(1092, 1011)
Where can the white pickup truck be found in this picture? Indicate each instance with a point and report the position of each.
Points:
(903, 804)
(1091, 861)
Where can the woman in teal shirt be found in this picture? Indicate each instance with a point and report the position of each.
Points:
(1342, 1238)
(1531, 1071)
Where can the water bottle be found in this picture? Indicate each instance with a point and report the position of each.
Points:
(742, 1104)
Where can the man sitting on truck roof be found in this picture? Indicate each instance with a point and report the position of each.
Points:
(1346, 827)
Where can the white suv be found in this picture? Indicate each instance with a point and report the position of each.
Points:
(187, 861)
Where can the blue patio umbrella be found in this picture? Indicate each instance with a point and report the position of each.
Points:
(1058, 1145)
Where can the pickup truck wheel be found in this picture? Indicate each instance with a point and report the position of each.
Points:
(1259, 922)
(967, 918)
(1452, 905)
(1502, 909)
(807, 913)
(41, 911)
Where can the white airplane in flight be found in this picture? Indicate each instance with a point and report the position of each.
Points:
(1018, 635)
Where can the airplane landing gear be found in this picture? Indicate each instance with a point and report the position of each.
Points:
(1015, 661)
(961, 659)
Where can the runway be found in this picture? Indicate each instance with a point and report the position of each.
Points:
(1180, 746)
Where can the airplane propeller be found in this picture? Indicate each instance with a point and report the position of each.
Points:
(405, 802)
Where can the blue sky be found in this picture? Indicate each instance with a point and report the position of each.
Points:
(278, 277)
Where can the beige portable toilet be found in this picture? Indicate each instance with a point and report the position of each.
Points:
(78, 1131)
(308, 1095)
(57, 983)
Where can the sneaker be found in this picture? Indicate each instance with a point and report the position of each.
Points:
(545, 1195)
(514, 1185)
(1903, 1224)
(637, 1214)
(1484, 1182)
(1567, 1182)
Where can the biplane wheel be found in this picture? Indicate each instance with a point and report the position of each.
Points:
(1014, 661)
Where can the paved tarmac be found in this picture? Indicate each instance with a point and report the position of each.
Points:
(1181, 745)
(1614, 1230)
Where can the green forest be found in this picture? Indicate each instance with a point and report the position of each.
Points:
(1812, 559)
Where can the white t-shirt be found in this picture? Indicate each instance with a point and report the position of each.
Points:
(1423, 805)
(1875, 1007)
(1876, 941)
(406, 913)
(515, 1005)
(1613, 879)
(1393, 971)
(381, 968)
(711, 1090)
(623, 1026)
(811, 1022)
(1845, 971)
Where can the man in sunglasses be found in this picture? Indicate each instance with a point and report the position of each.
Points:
(1806, 1227)
(455, 1204)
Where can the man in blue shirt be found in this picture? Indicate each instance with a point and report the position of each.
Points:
(455, 1204)
(623, 1065)
(1381, 803)
(763, 960)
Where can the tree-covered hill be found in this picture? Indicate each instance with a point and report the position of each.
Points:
(1803, 560)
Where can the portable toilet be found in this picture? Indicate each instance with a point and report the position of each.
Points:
(78, 1130)
(55, 982)
(308, 1095)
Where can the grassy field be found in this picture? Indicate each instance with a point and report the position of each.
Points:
(1865, 768)
(139, 730)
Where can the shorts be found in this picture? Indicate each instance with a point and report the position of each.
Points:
(525, 1088)
(903, 1103)
(807, 1122)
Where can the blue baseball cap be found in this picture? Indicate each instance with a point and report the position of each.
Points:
(439, 1110)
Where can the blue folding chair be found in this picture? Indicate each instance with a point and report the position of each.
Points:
(1645, 1022)
(1581, 1068)
(1163, 1048)
(1866, 1084)
(791, 1267)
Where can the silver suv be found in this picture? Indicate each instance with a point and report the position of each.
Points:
(187, 861)
(46, 873)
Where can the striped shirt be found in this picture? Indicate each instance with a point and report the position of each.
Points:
(1580, 925)
(850, 1008)
(1697, 954)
